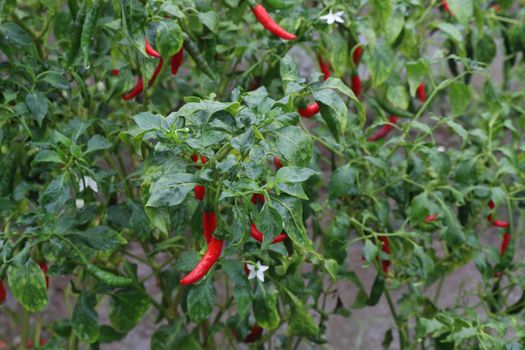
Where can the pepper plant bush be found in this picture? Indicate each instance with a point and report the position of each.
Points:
(138, 138)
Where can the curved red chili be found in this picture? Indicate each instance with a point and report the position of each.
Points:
(255, 233)
(431, 218)
(135, 91)
(356, 84)
(209, 224)
(150, 50)
(500, 223)
(310, 110)
(176, 61)
(385, 247)
(504, 243)
(277, 162)
(208, 260)
(421, 95)
(3, 293)
(356, 56)
(257, 197)
(156, 72)
(384, 130)
(43, 267)
(254, 334)
(324, 68)
(200, 192)
(264, 18)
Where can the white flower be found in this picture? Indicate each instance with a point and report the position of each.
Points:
(101, 86)
(87, 182)
(79, 202)
(441, 149)
(333, 17)
(257, 270)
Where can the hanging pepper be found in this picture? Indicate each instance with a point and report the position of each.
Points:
(176, 61)
(255, 233)
(431, 218)
(150, 50)
(135, 91)
(385, 247)
(254, 334)
(310, 110)
(492, 205)
(200, 192)
(156, 72)
(264, 18)
(384, 130)
(277, 162)
(421, 95)
(504, 243)
(108, 278)
(115, 72)
(209, 224)
(324, 67)
(446, 7)
(356, 56)
(500, 223)
(195, 158)
(257, 197)
(43, 267)
(208, 260)
(356, 84)
(3, 293)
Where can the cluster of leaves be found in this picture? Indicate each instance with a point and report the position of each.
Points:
(101, 188)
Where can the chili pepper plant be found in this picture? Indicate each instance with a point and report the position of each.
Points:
(248, 173)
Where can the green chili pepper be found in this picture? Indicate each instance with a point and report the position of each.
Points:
(107, 277)
(281, 4)
(394, 110)
(193, 50)
(87, 31)
(76, 34)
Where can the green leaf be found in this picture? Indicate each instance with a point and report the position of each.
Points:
(265, 307)
(13, 35)
(100, 238)
(37, 104)
(210, 19)
(452, 31)
(147, 121)
(55, 195)
(85, 318)
(301, 322)
(382, 11)
(48, 156)
(381, 63)
(201, 300)
(169, 38)
(342, 182)
(126, 309)
(463, 10)
(370, 251)
(337, 48)
(170, 189)
(293, 174)
(294, 145)
(242, 294)
(416, 72)
(293, 189)
(97, 143)
(269, 222)
(244, 142)
(397, 96)
(459, 97)
(333, 111)
(28, 285)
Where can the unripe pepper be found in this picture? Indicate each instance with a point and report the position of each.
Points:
(264, 18)
(255, 233)
(3, 293)
(176, 61)
(421, 95)
(356, 84)
(324, 67)
(356, 56)
(384, 130)
(310, 110)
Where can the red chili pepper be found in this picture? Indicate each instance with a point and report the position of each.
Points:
(209, 224)
(135, 91)
(3, 293)
(384, 130)
(421, 95)
(324, 67)
(115, 72)
(254, 335)
(257, 197)
(310, 110)
(176, 61)
(356, 56)
(29, 343)
(264, 18)
(156, 72)
(505, 243)
(500, 223)
(255, 233)
(386, 249)
(356, 84)
(150, 50)
(277, 162)
(43, 267)
(208, 260)
(492, 205)
(195, 158)
(246, 270)
(256, 82)
(200, 192)
(431, 218)
(446, 7)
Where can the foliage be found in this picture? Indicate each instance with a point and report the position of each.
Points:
(102, 188)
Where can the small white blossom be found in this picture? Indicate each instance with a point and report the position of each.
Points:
(101, 86)
(441, 149)
(257, 270)
(87, 182)
(79, 202)
(333, 17)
